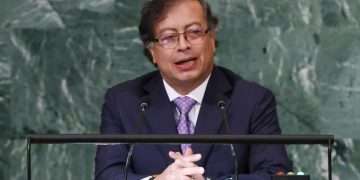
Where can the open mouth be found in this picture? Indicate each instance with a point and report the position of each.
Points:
(186, 64)
(184, 61)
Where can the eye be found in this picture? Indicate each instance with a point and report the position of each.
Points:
(194, 33)
(168, 38)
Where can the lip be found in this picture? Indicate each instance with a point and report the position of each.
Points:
(183, 60)
(186, 64)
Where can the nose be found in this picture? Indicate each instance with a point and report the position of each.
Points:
(183, 43)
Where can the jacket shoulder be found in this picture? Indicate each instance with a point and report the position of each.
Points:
(134, 86)
(241, 85)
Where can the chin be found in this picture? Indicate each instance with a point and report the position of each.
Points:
(188, 75)
(190, 78)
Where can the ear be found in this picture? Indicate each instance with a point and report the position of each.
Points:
(151, 50)
(213, 40)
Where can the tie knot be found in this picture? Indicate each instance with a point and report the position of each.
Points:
(184, 104)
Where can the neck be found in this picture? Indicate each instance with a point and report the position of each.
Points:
(185, 87)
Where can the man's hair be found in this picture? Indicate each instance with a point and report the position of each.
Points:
(154, 10)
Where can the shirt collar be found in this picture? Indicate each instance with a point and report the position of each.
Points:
(197, 94)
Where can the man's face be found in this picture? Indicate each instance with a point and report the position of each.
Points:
(187, 63)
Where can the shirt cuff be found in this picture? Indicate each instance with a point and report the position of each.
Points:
(146, 178)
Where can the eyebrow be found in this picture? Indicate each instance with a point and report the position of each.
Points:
(174, 29)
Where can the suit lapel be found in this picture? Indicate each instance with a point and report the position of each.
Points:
(160, 113)
(210, 120)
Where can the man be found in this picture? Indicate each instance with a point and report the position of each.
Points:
(182, 98)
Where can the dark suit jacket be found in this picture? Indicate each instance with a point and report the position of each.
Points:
(251, 110)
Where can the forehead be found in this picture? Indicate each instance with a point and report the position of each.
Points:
(180, 16)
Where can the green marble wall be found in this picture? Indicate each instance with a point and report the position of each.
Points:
(57, 57)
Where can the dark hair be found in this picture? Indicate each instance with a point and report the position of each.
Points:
(154, 10)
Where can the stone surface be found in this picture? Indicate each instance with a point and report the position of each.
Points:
(57, 57)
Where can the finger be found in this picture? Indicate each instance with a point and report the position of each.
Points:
(187, 178)
(180, 163)
(171, 154)
(192, 158)
(188, 151)
(191, 171)
(183, 177)
(198, 177)
(174, 155)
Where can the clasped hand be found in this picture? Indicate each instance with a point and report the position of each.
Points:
(183, 167)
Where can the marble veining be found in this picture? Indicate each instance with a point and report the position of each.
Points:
(57, 58)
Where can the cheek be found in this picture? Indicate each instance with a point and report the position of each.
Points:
(161, 56)
(209, 51)
(161, 60)
(156, 57)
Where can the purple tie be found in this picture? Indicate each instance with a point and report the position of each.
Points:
(184, 104)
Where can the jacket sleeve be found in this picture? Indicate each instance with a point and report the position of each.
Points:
(266, 160)
(110, 159)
